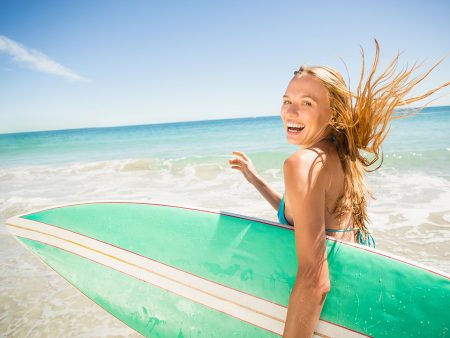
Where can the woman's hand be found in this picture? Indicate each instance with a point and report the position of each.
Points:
(243, 163)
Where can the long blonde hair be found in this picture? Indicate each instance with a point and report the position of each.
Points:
(360, 123)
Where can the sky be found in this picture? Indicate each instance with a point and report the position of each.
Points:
(97, 63)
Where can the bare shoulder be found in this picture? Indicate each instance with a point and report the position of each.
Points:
(307, 159)
(312, 165)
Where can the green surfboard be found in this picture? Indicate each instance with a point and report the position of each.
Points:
(178, 271)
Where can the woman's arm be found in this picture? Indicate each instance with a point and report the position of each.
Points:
(305, 180)
(245, 165)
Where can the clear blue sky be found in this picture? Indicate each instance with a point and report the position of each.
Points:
(73, 64)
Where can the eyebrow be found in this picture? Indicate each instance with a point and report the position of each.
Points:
(310, 97)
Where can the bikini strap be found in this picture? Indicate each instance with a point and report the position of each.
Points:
(370, 241)
(340, 230)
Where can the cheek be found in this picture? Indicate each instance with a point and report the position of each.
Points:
(282, 112)
(324, 116)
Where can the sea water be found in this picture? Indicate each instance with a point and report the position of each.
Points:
(187, 164)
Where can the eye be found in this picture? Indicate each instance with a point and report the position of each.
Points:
(308, 103)
(286, 101)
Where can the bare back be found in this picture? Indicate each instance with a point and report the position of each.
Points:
(335, 189)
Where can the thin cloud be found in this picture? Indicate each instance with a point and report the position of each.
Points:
(36, 60)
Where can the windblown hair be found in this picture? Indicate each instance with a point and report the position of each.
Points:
(360, 123)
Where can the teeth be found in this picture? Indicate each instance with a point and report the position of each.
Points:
(295, 125)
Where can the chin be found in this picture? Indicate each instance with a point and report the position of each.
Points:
(294, 142)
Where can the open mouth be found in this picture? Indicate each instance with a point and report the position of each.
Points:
(295, 130)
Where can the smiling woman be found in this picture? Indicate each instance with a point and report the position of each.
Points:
(340, 134)
(311, 126)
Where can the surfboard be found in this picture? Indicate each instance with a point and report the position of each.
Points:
(168, 270)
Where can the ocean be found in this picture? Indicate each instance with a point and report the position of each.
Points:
(186, 163)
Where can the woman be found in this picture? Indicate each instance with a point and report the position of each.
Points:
(339, 134)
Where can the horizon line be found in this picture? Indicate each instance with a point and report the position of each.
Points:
(136, 125)
(168, 122)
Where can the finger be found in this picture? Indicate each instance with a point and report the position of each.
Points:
(236, 160)
(240, 153)
(236, 165)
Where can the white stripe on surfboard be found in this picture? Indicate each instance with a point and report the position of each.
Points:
(251, 309)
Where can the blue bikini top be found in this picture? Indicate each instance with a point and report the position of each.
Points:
(369, 242)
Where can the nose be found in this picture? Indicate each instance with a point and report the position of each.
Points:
(292, 110)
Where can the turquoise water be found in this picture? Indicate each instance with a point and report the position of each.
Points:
(419, 142)
(194, 140)
(187, 164)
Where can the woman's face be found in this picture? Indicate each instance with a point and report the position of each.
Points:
(306, 108)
